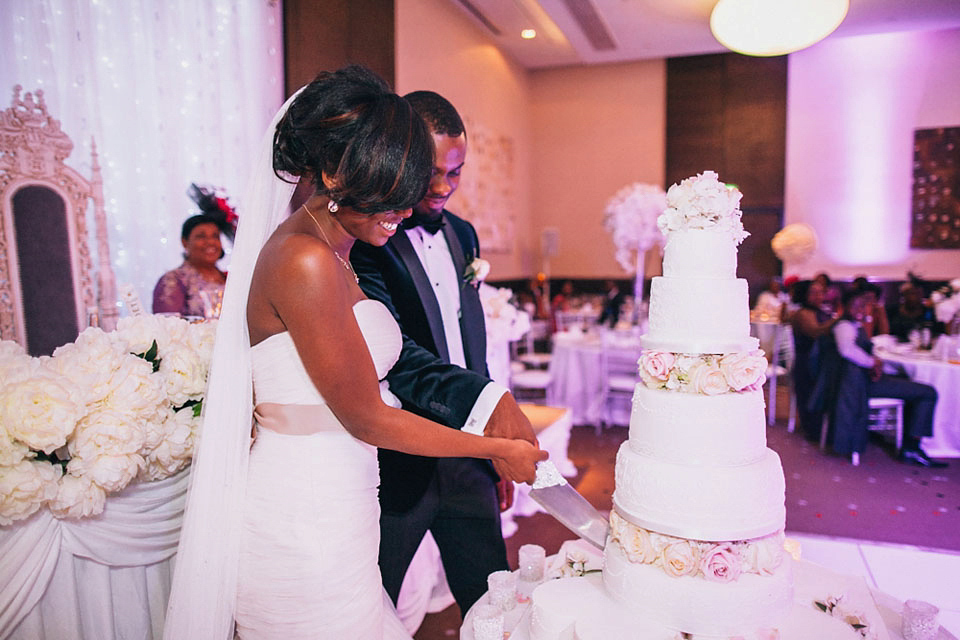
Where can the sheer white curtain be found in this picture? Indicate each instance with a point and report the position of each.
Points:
(173, 92)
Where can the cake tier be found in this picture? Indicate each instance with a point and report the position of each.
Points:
(699, 315)
(699, 501)
(700, 253)
(686, 428)
(698, 606)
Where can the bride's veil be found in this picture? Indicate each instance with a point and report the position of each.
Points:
(204, 592)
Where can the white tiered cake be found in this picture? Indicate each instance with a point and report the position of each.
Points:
(696, 545)
(698, 511)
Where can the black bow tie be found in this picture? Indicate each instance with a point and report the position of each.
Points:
(430, 224)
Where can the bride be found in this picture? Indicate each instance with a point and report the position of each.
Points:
(282, 536)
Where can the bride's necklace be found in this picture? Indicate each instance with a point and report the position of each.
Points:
(346, 265)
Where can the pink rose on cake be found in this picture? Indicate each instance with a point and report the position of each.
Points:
(681, 558)
(655, 368)
(707, 378)
(721, 563)
(745, 370)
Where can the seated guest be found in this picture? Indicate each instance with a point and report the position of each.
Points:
(613, 300)
(772, 302)
(863, 376)
(195, 288)
(812, 340)
(874, 318)
(561, 302)
(912, 313)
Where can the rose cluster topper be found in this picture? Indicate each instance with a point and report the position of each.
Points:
(708, 374)
(103, 411)
(703, 202)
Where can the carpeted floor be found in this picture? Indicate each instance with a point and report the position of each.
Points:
(881, 500)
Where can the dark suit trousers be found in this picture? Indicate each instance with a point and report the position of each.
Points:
(461, 510)
(919, 402)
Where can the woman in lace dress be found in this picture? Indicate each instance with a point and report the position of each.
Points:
(293, 554)
(195, 288)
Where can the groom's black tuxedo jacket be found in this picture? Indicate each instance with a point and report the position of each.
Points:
(423, 377)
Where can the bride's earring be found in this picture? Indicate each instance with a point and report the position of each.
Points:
(332, 206)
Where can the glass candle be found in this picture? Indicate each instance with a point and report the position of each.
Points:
(503, 589)
(487, 622)
(919, 620)
(532, 559)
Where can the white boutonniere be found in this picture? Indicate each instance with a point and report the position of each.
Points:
(476, 272)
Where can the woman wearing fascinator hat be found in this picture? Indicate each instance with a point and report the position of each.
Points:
(280, 535)
(195, 288)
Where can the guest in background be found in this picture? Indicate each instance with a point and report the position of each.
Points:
(812, 341)
(195, 288)
(873, 319)
(863, 376)
(534, 300)
(612, 302)
(772, 302)
(831, 292)
(912, 313)
(561, 302)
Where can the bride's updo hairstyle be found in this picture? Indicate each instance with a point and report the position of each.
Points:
(369, 142)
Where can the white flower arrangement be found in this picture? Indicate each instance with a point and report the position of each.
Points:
(837, 607)
(708, 374)
(795, 243)
(946, 301)
(505, 322)
(631, 216)
(713, 561)
(103, 411)
(703, 202)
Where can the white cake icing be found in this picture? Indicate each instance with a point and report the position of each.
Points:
(697, 429)
(699, 315)
(699, 501)
(700, 253)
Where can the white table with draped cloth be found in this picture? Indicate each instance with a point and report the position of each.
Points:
(941, 370)
(100, 578)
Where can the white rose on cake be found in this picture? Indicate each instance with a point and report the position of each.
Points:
(744, 371)
(681, 558)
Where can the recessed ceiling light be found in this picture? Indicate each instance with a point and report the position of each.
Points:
(528, 34)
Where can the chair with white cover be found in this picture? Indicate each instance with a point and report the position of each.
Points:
(618, 374)
(49, 286)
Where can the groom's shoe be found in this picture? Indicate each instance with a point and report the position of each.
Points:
(920, 458)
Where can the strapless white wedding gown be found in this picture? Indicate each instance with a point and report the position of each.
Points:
(308, 556)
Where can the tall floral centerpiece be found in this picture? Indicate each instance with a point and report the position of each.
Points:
(102, 412)
(946, 302)
(631, 217)
(795, 243)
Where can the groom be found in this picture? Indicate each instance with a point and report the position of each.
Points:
(441, 375)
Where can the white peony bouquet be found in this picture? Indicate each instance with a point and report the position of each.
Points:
(946, 301)
(703, 202)
(631, 216)
(101, 412)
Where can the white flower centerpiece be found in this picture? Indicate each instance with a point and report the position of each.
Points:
(946, 301)
(631, 217)
(101, 412)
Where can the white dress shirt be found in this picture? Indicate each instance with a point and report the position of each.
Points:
(845, 333)
(434, 254)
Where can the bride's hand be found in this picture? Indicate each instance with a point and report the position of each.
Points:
(517, 460)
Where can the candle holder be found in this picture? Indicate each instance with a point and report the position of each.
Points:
(503, 589)
(919, 620)
(487, 622)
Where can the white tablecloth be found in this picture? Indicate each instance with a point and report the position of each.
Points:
(576, 375)
(945, 378)
(101, 578)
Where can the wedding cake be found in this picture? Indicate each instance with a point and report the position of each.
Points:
(696, 543)
(698, 512)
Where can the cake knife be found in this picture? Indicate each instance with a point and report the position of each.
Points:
(552, 492)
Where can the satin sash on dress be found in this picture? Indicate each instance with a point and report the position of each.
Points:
(296, 419)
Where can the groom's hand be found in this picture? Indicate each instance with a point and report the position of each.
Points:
(508, 421)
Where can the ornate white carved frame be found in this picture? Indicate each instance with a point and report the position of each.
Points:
(32, 151)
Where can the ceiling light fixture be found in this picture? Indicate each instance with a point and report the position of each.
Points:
(775, 27)
(528, 34)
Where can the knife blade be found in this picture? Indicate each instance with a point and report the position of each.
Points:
(552, 492)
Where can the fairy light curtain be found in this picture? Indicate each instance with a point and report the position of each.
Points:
(173, 92)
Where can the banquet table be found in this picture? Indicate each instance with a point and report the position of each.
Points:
(943, 375)
(105, 577)
(576, 380)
